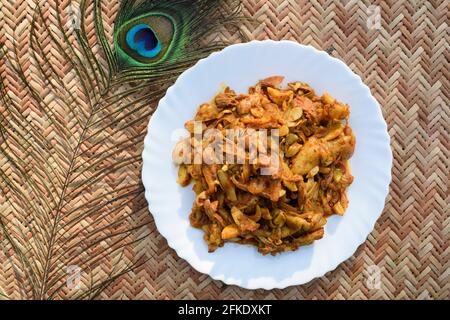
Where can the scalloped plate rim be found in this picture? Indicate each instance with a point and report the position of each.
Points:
(184, 254)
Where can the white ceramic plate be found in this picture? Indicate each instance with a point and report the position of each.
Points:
(240, 66)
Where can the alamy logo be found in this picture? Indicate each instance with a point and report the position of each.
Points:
(74, 277)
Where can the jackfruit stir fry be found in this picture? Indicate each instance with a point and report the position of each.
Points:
(279, 199)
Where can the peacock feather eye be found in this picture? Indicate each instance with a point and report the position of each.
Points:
(143, 41)
(146, 39)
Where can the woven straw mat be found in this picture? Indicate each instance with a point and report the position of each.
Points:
(401, 51)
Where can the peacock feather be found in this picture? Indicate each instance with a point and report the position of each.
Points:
(163, 34)
(152, 34)
(75, 98)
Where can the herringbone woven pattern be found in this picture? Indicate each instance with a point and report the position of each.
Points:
(405, 62)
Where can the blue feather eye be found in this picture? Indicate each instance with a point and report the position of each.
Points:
(147, 39)
(143, 41)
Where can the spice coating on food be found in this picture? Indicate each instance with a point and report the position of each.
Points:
(277, 178)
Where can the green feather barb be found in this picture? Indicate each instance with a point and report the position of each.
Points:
(180, 26)
(75, 102)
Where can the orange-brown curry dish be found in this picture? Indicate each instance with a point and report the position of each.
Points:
(287, 209)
